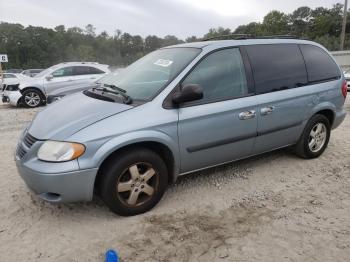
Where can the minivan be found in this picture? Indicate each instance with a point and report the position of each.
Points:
(180, 109)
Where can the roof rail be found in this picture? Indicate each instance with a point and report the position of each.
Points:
(230, 36)
(248, 36)
(276, 37)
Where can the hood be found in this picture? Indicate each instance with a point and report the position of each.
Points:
(67, 116)
(29, 81)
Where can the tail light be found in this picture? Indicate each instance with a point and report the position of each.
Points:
(344, 88)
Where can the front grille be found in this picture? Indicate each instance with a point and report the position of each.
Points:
(20, 152)
(29, 140)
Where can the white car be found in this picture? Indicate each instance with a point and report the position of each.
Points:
(33, 91)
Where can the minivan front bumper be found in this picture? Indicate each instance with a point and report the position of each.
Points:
(60, 187)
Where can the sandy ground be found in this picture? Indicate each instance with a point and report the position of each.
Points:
(274, 207)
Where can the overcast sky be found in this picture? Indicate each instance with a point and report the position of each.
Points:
(144, 17)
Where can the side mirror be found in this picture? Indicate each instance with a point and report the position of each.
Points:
(49, 77)
(188, 93)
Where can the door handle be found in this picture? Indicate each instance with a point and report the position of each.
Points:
(267, 110)
(70, 80)
(246, 115)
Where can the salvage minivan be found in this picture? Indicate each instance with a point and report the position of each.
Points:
(180, 109)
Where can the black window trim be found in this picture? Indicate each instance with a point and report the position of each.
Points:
(168, 104)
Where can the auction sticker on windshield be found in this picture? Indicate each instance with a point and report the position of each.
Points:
(163, 62)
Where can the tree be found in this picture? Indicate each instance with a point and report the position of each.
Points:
(90, 30)
(275, 23)
(216, 32)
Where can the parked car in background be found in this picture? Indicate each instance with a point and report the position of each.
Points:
(347, 77)
(34, 91)
(14, 71)
(180, 109)
(10, 79)
(71, 89)
(31, 72)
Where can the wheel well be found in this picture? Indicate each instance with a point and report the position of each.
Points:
(43, 96)
(327, 113)
(163, 151)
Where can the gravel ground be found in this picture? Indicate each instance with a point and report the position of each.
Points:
(274, 207)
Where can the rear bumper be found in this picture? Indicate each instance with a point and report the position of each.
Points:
(60, 187)
(339, 118)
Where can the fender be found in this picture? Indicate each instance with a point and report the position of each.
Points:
(131, 138)
(323, 106)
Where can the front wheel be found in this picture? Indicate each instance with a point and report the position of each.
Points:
(315, 137)
(133, 182)
(32, 98)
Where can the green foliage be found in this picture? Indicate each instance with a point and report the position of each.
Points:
(38, 47)
(30, 47)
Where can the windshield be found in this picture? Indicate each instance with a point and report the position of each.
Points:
(143, 79)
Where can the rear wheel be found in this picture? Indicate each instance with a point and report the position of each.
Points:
(134, 182)
(315, 137)
(32, 98)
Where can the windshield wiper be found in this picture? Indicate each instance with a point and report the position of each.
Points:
(116, 90)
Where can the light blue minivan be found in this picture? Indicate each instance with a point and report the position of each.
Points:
(180, 109)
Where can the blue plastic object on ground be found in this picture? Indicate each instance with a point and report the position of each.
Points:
(111, 256)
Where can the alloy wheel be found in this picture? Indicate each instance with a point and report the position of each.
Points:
(317, 137)
(32, 99)
(137, 184)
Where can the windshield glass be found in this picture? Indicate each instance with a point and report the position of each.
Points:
(143, 79)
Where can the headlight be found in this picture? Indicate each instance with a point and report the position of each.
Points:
(11, 87)
(55, 151)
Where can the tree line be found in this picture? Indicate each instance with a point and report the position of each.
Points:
(39, 47)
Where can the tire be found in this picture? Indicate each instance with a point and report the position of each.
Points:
(308, 148)
(122, 182)
(32, 98)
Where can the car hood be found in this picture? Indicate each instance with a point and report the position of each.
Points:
(67, 116)
(29, 81)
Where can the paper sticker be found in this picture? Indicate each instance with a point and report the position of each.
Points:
(163, 62)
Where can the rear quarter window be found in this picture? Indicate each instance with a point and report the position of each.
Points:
(276, 67)
(320, 66)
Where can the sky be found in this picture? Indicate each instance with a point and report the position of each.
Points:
(181, 18)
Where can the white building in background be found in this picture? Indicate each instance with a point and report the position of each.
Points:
(342, 58)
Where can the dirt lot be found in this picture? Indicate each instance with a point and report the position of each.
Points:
(274, 207)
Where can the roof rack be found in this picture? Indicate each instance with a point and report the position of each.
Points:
(230, 36)
(248, 36)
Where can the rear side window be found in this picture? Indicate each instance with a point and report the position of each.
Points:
(86, 70)
(320, 66)
(277, 67)
(95, 71)
(81, 70)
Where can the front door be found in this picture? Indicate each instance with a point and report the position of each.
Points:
(222, 126)
(60, 78)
